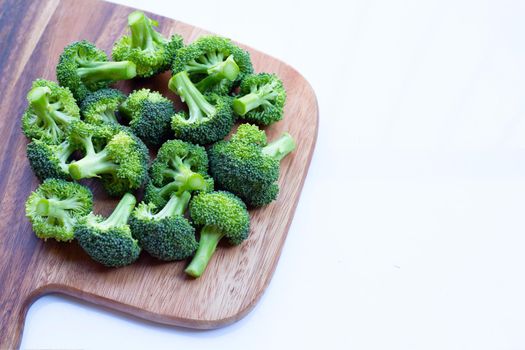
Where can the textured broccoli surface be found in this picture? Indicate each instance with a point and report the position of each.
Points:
(180, 166)
(112, 153)
(101, 106)
(210, 117)
(213, 63)
(148, 49)
(109, 241)
(50, 161)
(51, 111)
(221, 215)
(84, 68)
(149, 114)
(261, 100)
(56, 206)
(249, 167)
(165, 234)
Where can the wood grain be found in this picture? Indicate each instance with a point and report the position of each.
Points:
(32, 37)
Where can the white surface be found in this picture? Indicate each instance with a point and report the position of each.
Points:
(410, 232)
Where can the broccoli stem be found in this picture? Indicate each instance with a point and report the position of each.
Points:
(143, 35)
(65, 150)
(256, 98)
(93, 71)
(92, 165)
(56, 208)
(279, 148)
(184, 178)
(121, 213)
(176, 206)
(198, 106)
(210, 237)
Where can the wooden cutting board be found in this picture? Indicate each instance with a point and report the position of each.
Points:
(32, 36)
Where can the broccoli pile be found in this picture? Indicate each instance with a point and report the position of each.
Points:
(83, 128)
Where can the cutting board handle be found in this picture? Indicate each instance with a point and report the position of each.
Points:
(13, 311)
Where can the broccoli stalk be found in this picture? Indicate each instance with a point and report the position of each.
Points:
(257, 97)
(143, 36)
(93, 164)
(57, 210)
(176, 205)
(210, 237)
(120, 215)
(218, 71)
(49, 116)
(93, 72)
(279, 148)
(199, 108)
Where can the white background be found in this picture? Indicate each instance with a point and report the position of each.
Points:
(410, 230)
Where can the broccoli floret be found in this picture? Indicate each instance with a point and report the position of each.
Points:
(51, 110)
(101, 106)
(50, 161)
(221, 214)
(209, 119)
(261, 99)
(148, 49)
(56, 206)
(149, 114)
(112, 153)
(213, 63)
(179, 167)
(249, 167)
(165, 234)
(109, 241)
(84, 68)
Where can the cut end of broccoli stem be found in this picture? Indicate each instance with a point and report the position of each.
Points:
(38, 98)
(196, 182)
(210, 237)
(121, 213)
(141, 30)
(278, 149)
(92, 165)
(248, 102)
(42, 207)
(227, 69)
(107, 71)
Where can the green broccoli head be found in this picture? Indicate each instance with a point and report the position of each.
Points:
(148, 49)
(112, 153)
(50, 161)
(180, 166)
(214, 64)
(56, 206)
(51, 111)
(261, 100)
(249, 167)
(84, 68)
(101, 106)
(210, 117)
(149, 114)
(109, 241)
(165, 234)
(221, 214)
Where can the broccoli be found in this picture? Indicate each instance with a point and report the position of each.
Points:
(165, 234)
(148, 49)
(84, 68)
(109, 241)
(221, 214)
(249, 167)
(51, 110)
(213, 63)
(209, 119)
(101, 106)
(261, 99)
(179, 167)
(56, 206)
(149, 114)
(50, 161)
(112, 153)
